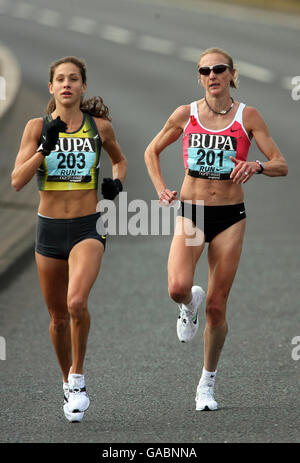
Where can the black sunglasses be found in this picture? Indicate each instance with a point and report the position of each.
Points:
(217, 69)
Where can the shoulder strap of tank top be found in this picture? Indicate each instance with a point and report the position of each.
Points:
(239, 113)
(43, 129)
(194, 109)
(193, 114)
(239, 118)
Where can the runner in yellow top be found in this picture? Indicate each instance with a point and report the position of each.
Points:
(64, 148)
(75, 161)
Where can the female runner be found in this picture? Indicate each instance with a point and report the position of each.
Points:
(63, 148)
(217, 132)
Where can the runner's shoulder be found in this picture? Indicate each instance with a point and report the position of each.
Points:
(251, 113)
(34, 127)
(180, 116)
(102, 123)
(251, 117)
(105, 128)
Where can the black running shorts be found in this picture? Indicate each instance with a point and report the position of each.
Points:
(56, 237)
(216, 218)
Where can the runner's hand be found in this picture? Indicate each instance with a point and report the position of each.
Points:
(111, 188)
(52, 132)
(242, 171)
(167, 197)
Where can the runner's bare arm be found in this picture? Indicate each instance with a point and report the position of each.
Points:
(255, 125)
(171, 131)
(113, 149)
(28, 160)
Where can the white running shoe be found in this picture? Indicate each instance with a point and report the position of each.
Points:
(205, 398)
(72, 417)
(187, 323)
(78, 399)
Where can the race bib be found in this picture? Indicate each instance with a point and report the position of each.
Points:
(209, 155)
(71, 165)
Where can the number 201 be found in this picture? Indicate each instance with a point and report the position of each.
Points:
(210, 157)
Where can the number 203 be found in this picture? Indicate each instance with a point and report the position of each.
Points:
(70, 160)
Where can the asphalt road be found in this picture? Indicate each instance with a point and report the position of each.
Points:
(140, 379)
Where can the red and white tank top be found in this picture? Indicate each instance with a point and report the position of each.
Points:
(206, 152)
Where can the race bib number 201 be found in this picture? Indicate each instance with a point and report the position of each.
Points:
(209, 155)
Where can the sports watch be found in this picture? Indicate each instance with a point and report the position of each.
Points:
(261, 165)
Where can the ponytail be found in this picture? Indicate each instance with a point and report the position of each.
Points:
(51, 106)
(95, 107)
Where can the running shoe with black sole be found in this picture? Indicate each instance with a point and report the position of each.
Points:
(71, 417)
(78, 399)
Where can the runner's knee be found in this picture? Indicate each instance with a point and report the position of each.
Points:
(178, 290)
(77, 306)
(60, 325)
(215, 313)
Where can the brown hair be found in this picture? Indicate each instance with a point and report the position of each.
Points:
(93, 106)
(234, 82)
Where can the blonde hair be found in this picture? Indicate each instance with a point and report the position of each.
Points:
(93, 106)
(235, 79)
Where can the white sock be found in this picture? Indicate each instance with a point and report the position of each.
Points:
(207, 378)
(191, 305)
(66, 388)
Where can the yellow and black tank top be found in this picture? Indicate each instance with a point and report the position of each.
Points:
(75, 162)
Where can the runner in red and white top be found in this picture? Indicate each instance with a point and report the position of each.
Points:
(217, 132)
(206, 152)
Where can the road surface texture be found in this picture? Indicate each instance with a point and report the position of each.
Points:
(141, 380)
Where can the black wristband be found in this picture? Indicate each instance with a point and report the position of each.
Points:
(118, 184)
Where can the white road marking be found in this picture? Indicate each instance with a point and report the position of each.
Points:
(82, 25)
(233, 12)
(156, 45)
(116, 34)
(254, 72)
(189, 54)
(48, 17)
(124, 36)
